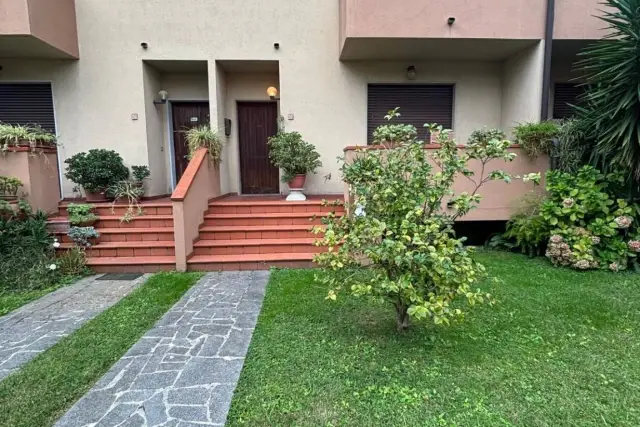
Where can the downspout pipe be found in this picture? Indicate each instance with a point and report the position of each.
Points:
(546, 73)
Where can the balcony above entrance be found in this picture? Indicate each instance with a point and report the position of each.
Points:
(44, 29)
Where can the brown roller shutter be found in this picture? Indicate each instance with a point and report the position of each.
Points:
(564, 97)
(419, 104)
(27, 104)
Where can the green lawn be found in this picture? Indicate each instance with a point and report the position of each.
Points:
(561, 348)
(10, 301)
(46, 387)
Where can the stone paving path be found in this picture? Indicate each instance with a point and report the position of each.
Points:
(183, 372)
(35, 327)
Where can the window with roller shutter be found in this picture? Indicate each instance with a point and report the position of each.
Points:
(565, 96)
(27, 104)
(419, 104)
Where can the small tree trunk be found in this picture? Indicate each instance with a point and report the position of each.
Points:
(402, 317)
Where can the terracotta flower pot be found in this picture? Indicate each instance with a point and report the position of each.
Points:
(95, 197)
(297, 181)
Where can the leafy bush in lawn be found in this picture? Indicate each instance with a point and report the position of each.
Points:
(27, 258)
(585, 221)
(399, 246)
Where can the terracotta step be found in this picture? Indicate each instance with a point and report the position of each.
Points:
(111, 221)
(255, 246)
(229, 232)
(128, 249)
(140, 264)
(287, 218)
(148, 208)
(262, 207)
(250, 261)
(159, 234)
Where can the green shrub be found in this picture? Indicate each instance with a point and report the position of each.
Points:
(140, 173)
(585, 219)
(81, 213)
(96, 170)
(483, 136)
(398, 245)
(536, 138)
(9, 186)
(569, 152)
(26, 251)
(14, 135)
(527, 228)
(289, 152)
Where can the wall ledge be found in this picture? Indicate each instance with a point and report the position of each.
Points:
(385, 147)
(182, 189)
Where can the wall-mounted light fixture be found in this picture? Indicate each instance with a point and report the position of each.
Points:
(451, 20)
(411, 72)
(273, 93)
(164, 96)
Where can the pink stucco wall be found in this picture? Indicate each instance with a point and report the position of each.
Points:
(576, 20)
(500, 19)
(54, 22)
(51, 21)
(499, 200)
(14, 17)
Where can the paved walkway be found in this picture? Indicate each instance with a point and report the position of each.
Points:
(183, 372)
(35, 327)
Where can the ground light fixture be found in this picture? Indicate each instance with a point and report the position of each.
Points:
(164, 96)
(273, 93)
(411, 72)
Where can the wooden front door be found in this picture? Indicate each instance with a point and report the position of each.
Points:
(186, 115)
(257, 121)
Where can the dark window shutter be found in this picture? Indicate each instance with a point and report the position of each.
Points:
(27, 104)
(419, 104)
(565, 95)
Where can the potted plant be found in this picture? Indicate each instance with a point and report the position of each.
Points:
(25, 136)
(140, 173)
(9, 187)
(296, 157)
(206, 137)
(81, 215)
(96, 171)
(83, 236)
(130, 192)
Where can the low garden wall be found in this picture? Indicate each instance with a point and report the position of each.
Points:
(39, 174)
(499, 200)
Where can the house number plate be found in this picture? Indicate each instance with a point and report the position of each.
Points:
(194, 119)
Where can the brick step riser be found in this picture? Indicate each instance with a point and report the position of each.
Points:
(122, 252)
(121, 210)
(125, 237)
(237, 266)
(135, 223)
(266, 249)
(233, 235)
(239, 222)
(144, 268)
(257, 209)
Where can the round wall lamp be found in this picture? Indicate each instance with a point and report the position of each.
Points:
(164, 96)
(273, 93)
(412, 73)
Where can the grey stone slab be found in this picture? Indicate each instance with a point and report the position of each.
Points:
(184, 370)
(237, 344)
(189, 396)
(37, 326)
(196, 414)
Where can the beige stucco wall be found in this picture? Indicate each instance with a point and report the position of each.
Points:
(159, 182)
(96, 96)
(522, 87)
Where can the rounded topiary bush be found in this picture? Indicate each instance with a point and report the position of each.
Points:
(96, 170)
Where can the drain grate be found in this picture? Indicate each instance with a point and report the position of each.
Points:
(120, 276)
